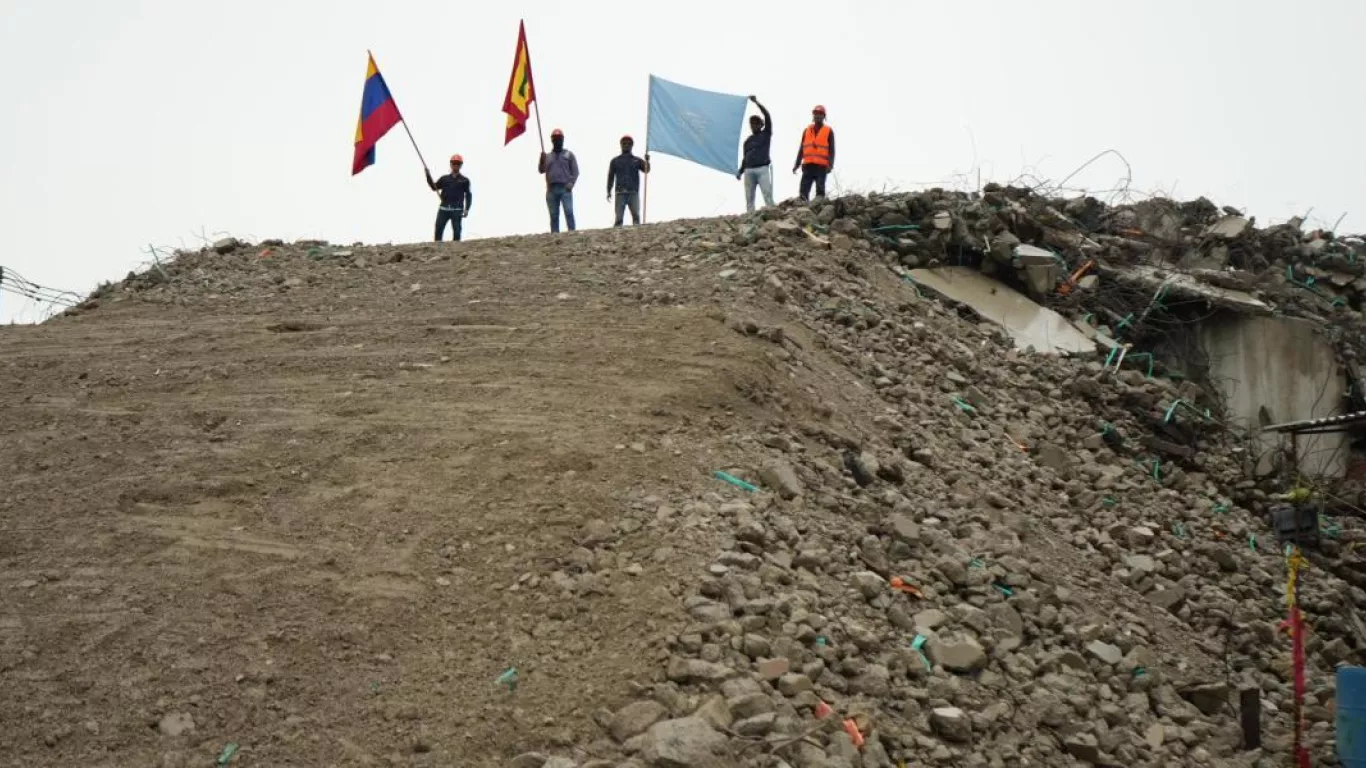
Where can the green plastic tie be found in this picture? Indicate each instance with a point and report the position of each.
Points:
(976, 562)
(963, 405)
(1109, 502)
(1252, 542)
(918, 645)
(226, 755)
(1003, 589)
(1179, 530)
(1220, 508)
(508, 678)
(735, 481)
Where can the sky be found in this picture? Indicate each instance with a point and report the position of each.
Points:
(137, 123)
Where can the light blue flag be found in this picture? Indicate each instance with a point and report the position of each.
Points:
(701, 126)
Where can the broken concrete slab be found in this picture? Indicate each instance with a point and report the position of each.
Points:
(1027, 323)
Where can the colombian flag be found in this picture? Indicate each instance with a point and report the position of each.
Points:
(521, 92)
(378, 113)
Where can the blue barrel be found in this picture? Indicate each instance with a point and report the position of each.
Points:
(1351, 716)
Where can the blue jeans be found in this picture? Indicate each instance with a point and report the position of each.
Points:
(455, 216)
(557, 195)
(624, 199)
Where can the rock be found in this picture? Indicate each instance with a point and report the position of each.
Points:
(792, 684)
(904, 529)
(1084, 747)
(1210, 699)
(1053, 457)
(529, 760)
(875, 681)
(1155, 736)
(1169, 598)
(951, 723)
(869, 584)
(929, 620)
(1141, 537)
(560, 762)
(782, 478)
(757, 726)
(715, 712)
(962, 655)
(687, 742)
(176, 724)
(635, 718)
(1107, 653)
(226, 245)
(772, 669)
(1228, 227)
(697, 670)
(1143, 564)
(750, 705)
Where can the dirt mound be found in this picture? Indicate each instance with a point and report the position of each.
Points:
(725, 492)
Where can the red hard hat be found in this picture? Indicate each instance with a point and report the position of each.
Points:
(457, 159)
(557, 132)
(818, 109)
(627, 137)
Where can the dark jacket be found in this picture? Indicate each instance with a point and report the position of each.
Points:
(625, 170)
(455, 191)
(757, 144)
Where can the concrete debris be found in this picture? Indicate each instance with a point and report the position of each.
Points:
(975, 554)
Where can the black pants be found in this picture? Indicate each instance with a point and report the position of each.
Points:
(454, 216)
(813, 174)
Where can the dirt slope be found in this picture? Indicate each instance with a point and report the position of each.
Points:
(306, 515)
(314, 501)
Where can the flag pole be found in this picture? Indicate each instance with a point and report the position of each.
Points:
(425, 167)
(645, 197)
(535, 101)
(403, 120)
(536, 104)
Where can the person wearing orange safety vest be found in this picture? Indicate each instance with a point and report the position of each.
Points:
(816, 156)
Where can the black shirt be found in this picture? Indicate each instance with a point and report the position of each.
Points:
(757, 144)
(625, 171)
(455, 191)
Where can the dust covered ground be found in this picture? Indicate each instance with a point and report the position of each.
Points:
(319, 502)
(319, 518)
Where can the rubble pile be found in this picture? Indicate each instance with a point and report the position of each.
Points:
(978, 556)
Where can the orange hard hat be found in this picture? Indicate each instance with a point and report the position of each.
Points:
(557, 132)
(818, 110)
(457, 159)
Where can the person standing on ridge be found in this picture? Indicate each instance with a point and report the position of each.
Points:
(456, 198)
(816, 156)
(757, 168)
(624, 171)
(561, 171)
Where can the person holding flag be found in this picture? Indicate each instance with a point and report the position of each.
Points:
(561, 171)
(756, 168)
(624, 171)
(816, 155)
(456, 199)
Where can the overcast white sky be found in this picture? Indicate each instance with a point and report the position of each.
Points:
(144, 121)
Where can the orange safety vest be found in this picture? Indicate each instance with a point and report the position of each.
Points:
(816, 145)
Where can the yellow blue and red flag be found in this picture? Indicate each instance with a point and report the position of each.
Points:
(378, 114)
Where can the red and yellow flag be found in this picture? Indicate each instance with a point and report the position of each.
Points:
(521, 91)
